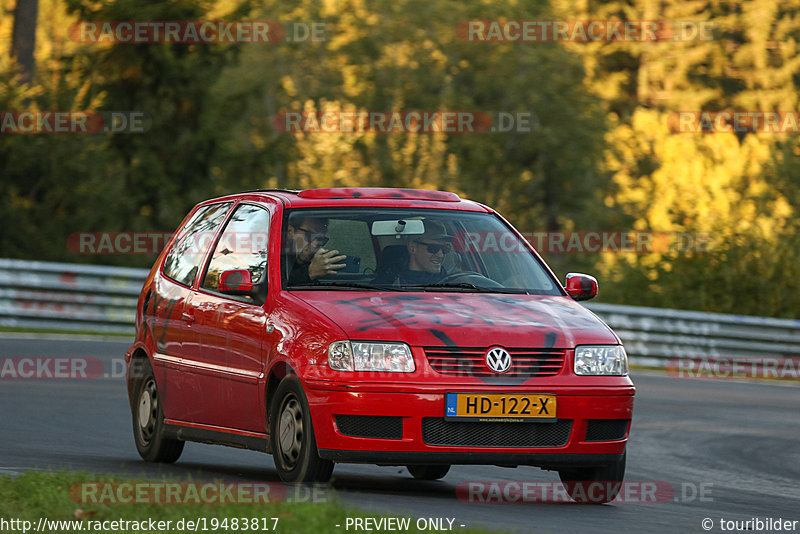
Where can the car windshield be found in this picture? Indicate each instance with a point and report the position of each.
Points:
(408, 250)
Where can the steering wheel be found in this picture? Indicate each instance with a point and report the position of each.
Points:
(470, 277)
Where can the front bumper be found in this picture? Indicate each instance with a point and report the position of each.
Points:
(417, 413)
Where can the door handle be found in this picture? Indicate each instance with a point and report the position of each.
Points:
(188, 317)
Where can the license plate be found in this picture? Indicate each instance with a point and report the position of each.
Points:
(494, 407)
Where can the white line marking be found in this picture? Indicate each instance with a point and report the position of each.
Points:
(15, 471)
(65, 337)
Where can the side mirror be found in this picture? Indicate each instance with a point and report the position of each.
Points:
(236, 282)
(581, 286)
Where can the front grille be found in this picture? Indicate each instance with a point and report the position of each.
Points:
(370, 426)
(471, 361)
(437, 431)
(606, 429)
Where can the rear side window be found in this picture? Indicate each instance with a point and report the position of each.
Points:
(189, 247)
(243, 245)
(353, 238)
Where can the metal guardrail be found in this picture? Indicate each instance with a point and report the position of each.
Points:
(654, 335)
(64, 296)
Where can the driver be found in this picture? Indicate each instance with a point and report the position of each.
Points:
(426, 253)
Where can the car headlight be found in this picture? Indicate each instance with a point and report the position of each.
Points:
(357, 356)
(601, 360)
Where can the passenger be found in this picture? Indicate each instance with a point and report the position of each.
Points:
(308, 261)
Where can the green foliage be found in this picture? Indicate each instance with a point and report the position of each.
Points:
(741, 191)
(405, 55)
(599, 156)
(732, 231)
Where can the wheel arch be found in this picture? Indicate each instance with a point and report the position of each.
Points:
(135, 370)
(277, 372)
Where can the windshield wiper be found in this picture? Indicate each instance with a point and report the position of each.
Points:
(471, 288)
(347, 285)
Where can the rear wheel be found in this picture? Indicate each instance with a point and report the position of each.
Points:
(594, 485)
(294, 446)
(148, 418)
(428, 472)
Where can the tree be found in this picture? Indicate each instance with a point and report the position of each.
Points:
(407, 55)
(23, 40)
(727, 232)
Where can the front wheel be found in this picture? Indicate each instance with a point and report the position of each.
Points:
(294, 446)
(148, 418)
(428, 472)
(595, 485)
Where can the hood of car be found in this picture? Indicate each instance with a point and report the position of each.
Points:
(462, 320)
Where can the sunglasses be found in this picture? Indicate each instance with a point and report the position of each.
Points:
(311, 237)
(434, 248)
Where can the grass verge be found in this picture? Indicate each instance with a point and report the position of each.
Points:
(61, 497)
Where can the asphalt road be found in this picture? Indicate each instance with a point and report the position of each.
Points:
(737, 442)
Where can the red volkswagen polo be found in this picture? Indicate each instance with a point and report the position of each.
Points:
(385, 326)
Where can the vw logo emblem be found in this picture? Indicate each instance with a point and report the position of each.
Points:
(498, 360)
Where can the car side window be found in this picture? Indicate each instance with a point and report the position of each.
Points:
(189, 247)
(352, 238)
(242, 245)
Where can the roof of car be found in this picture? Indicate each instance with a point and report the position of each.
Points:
(364, 196)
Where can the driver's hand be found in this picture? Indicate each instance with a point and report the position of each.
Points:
(325, 262)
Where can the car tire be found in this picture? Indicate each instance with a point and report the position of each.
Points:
(294, 446)
(428, 472)
(580, 486)
(148, 418)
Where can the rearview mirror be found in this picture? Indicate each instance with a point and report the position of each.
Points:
(581, 286)
(398, 227)
(236, 282)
